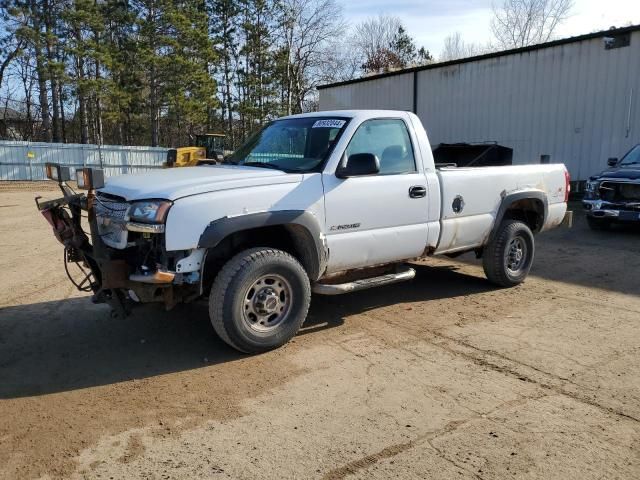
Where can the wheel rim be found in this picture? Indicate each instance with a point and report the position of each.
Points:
(267, 303)
(516, 257)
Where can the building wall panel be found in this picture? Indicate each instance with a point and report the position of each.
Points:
(576, 101)
(394, 93)
(25, 160)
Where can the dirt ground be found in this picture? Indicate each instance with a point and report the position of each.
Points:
(442, 377)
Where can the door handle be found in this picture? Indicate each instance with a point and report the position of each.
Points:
(417, 191)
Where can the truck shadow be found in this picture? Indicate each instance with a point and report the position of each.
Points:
(71, 344)
(431, 283)
(608, 260)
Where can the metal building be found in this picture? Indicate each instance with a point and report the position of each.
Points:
(573, 101)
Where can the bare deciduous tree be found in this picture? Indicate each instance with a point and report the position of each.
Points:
(518, 23)
(308, 27)
(455, 47)
(375, 34)
(383, 44)
(339, 63)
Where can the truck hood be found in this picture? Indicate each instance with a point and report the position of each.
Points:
(174, 183)
(620, 173)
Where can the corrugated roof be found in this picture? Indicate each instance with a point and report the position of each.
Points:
(502, 53)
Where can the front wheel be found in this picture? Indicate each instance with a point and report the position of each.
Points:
(259, 300)
(508, 256)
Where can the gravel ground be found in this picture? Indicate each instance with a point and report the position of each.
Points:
(442, 377)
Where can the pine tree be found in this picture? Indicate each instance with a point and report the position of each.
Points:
(148, 71)
(224, 33)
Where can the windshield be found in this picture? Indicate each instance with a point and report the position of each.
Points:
(292, 145)
(632, 158)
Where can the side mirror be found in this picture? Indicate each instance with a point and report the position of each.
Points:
(612, 162)
(358, 165)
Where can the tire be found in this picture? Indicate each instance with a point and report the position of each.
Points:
(259, 300)
(598, 224)
(508, 256)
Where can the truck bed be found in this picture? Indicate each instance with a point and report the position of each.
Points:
(479, 193)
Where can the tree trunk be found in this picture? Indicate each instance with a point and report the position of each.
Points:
(27, 82)
(9, 58)
(154, 100)
(98, 90)
(53, 77)
(98, 101)
(91, 120)
(82, 98)
(289, 76)
(41, 72)
(63, 120)
(154, 111)
(227, 95)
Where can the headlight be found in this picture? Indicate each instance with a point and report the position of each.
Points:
(149, 211)
(592, 186)
(592, 189)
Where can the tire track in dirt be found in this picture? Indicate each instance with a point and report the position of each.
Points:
(428, 438)
(517, 369)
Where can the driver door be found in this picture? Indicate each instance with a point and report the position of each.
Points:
(379, 218)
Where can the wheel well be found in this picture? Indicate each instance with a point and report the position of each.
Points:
(527, 210)
(291, 238)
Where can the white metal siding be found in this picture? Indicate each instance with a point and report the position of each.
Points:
(25, 160)
(394, 93)
(570, 101)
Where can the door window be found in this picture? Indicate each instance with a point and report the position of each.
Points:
(388, 139)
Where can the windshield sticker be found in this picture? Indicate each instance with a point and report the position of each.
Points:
(329, 123)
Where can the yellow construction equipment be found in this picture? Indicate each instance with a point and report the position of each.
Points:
(209, 150)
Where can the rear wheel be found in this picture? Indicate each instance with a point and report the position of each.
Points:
(598, 223)
(508, 257)
(259, 300)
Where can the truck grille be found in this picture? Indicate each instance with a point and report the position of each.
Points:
(112, 216)
(620, 191)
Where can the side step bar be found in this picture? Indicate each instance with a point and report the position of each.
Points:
(403, 274)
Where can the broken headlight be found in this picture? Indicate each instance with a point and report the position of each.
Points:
(149, 211)
(592, 189)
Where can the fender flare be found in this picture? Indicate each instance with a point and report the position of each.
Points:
(316, 257)
(511, 198)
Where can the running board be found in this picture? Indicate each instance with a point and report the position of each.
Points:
(404, 273)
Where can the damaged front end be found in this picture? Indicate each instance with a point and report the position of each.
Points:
(122, 258)
(615, 200)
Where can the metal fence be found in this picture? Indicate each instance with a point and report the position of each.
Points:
(25, 160)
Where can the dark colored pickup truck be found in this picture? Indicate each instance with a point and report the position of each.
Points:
(613, 196)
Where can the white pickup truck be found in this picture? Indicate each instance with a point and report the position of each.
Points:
(327, 202)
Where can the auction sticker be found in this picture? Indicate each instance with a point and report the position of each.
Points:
(333, 123)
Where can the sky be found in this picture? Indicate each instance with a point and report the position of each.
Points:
(431, 21)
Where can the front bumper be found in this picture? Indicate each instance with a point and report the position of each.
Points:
(122, 262)
(617, 212)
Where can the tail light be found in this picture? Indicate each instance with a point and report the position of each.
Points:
(567, 185)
